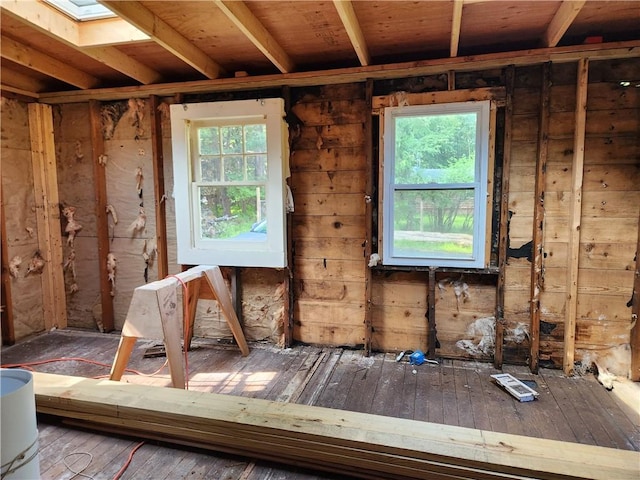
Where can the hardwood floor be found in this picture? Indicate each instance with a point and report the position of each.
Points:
(460, 393)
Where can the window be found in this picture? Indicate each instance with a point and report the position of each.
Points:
(82, 10)
(229, 174)
(435, 184)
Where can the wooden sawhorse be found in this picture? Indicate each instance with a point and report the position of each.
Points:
(153, 314)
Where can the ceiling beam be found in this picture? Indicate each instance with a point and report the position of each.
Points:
(561, 21)
(116, 59)
(35, 60)
(467, 63)
(21, 81)
(54, 24)
(163, 34)
(456, 21)
(352, 26)
(254, 30)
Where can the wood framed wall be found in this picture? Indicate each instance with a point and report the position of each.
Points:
(333, 288)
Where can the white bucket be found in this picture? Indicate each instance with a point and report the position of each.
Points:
(19, 432)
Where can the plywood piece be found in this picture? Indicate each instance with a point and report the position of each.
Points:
(299, 433)
(45, 185)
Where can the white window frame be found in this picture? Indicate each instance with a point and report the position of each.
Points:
(193, 250)
(480, 185)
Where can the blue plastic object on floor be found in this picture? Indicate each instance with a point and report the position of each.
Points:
(416, 358)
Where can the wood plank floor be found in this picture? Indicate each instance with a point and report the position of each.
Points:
(460, 393)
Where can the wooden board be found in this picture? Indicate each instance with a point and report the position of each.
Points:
(364, 444)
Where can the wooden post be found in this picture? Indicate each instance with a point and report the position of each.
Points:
(8, 333)
(577, 172)
(431, 315)
(368, 239)
(289, 295)
(158, 187)
(45, 185)
(635, 313)
(100, 192)
(504, 217)
(537, 279)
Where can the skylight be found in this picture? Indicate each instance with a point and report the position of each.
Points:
(82, 10)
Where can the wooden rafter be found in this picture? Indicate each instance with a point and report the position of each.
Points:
(561, 21)
(352, 26)
(21, 81)
(456, 21)
(50, 22)
(254, 30)
(114, 58)
(162, 33)
(28, 57)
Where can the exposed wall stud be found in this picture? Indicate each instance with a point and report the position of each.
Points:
(100, 191)
(158, 183)
(503, 246)
(537, 274)
(577, 174)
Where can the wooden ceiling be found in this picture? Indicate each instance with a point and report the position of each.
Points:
(163, 42)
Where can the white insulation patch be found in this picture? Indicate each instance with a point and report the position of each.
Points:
(482, 337)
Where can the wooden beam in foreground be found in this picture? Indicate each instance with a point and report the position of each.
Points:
(575, 217)
(360, 444)
(359, 74)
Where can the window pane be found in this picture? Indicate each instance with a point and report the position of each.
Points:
(256, 167)
(433, 223)
(233, 213)
(209, 141)
(233, 168)
(231, 139)
(435, 148)
(255, 138)
(210, 169)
